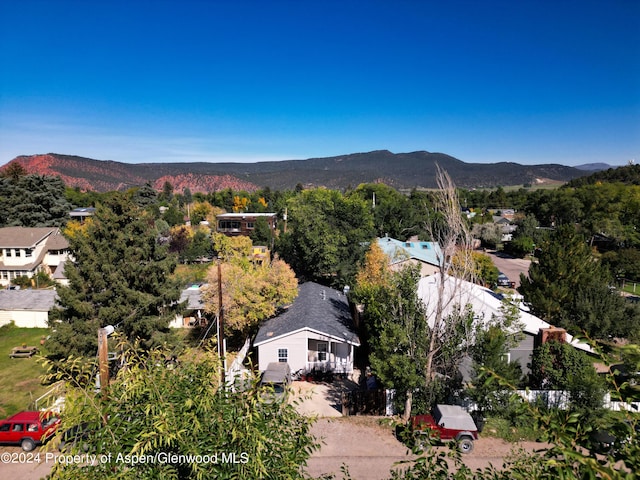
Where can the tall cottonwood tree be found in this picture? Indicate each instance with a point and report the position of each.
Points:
(416, 341)
(120, 275)
(449, 229)
(326, 235)
(250, 293)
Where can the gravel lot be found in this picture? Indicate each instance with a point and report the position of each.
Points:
(368, 449)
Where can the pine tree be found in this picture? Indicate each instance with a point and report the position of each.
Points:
(120, 276)
(569, 288)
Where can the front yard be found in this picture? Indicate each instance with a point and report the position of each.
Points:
(20, 378)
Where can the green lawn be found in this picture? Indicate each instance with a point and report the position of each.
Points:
(20, 378)
(632, 287)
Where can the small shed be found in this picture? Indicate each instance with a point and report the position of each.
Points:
(26, 308)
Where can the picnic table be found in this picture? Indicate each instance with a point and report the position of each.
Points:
(23, 352)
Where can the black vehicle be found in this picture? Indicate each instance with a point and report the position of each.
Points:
(503, 280)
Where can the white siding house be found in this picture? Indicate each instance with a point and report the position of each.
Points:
(26, 251)
(315, 332)
(486, 305)
(26, 308)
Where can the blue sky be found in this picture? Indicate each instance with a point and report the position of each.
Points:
(178, 81)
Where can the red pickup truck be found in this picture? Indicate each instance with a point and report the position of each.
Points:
(446, 422)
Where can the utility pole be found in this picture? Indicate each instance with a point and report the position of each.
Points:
(103, 358)
(221, 321)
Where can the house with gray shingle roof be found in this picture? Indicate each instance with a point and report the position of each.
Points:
(26, 251)
(193, 314)
(26, 308)
(426, 254)
(315, 332)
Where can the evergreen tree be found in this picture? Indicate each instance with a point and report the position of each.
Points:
(569, 288)
(33, 201)
(120, 276)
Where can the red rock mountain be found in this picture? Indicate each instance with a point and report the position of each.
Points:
(105, 176)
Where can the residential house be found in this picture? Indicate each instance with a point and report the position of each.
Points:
(26, 251)
(315, 332)
(81, 214)
(507, 226)
(260, 255)
(233, 224)
(193, 314)
(426, 254)
(486, 305)
(26, 308)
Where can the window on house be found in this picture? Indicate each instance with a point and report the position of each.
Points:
(8, 252)
(283, 355)
(18, 253)
(28, 252)
(249, 225)
(322, 351)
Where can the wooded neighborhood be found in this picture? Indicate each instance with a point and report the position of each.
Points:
(395, 286)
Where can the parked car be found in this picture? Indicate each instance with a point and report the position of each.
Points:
(612, 440)
(277, 377)
(28, 429)
(503, 281)
(446, 423)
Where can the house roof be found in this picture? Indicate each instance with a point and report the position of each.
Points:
(316, 308)
(193, 297)
(24, 237)
(243, 215)
(399, 251)
(457, 294)
(57, 241)
(37, 300)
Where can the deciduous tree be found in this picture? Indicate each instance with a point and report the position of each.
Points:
(250, 293)
(178, 423)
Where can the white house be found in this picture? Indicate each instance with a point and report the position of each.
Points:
(26, 308)
(486, 305)
(315, 332)
(26, 251)
(194, 312)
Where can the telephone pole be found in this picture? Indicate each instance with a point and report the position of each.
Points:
(221, 348)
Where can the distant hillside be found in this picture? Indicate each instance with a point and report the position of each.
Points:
(629, 174)
(401, 170)
(593, 167)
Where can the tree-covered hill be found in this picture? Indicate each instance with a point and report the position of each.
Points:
(402, 171)
(629, 175)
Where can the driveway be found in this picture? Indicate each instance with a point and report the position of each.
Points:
(512, 267)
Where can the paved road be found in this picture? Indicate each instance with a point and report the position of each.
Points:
(510, 266)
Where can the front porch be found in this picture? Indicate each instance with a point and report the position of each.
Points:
(328, 355)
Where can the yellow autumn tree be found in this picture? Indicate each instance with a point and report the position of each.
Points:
(240, 204)
(250, 293)
(375, 271)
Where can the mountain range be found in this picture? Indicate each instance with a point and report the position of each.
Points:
(402, 171)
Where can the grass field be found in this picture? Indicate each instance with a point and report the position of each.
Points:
(632, 288)
(20, 378)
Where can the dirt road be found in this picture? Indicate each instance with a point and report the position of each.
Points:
(510, 266)
(370, 451)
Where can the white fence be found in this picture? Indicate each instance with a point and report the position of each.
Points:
(561, 399)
